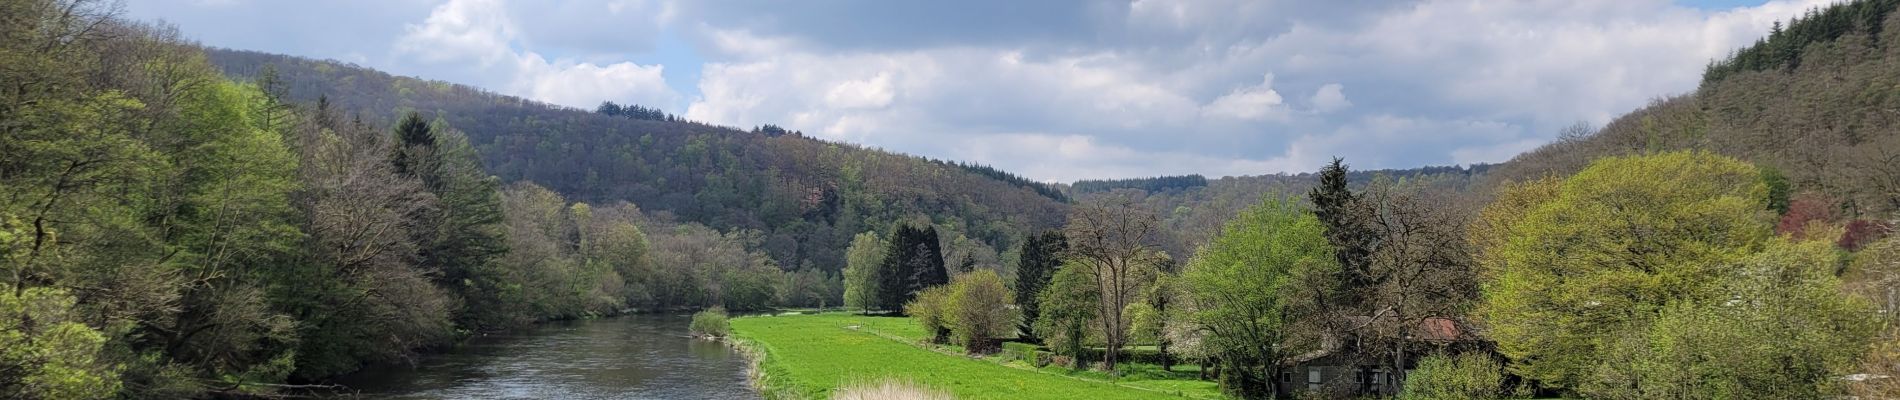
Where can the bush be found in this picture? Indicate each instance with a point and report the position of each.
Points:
(711, 323)
(888, 389)
(929, 309)
(1465, 376)
(1021, 351)
(979, 312)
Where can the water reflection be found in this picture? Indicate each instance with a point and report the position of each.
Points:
(636, 357)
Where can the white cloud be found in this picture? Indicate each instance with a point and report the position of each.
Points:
(875, 92)
(586, 84)
(1251, 102)
(460, 31)
(1329, 98)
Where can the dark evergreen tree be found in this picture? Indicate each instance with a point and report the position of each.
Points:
(1041, 255)
(914, 262)
(1353, 239)
(927, 266)
(459, 237)
(414, 142)
(893, 286)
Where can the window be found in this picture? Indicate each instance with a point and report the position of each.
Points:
(1312, 379)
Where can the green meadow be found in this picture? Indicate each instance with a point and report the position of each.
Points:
(807, 356)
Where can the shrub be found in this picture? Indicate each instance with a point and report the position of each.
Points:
(978, 311)
(1021, 351)
(929, 310)
(888, 389)
(711, 323)
(1465, 376)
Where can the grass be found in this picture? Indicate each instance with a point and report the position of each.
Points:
(808, 356)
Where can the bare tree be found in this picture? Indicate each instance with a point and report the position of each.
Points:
(1114, 240)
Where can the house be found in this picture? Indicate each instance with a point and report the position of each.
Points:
(1340, 369)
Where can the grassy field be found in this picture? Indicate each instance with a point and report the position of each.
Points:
(806, 356)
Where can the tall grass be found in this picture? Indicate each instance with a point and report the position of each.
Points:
(889, 389)
(711, 323)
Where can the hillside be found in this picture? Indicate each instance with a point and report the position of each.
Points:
(805, 197)
(1817, 100)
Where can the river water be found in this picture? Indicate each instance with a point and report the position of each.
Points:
(631, 357)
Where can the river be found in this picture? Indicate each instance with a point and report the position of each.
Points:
(631, 357)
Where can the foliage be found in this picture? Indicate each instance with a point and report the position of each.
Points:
(1045, 189)
(1783, 47)
(634, 111)
(1805, 211)
(1618, 242)
(1114, 243)
(711, 322)
(47, 353)
(1255, 290)
(1069, 309)
(1473, 376)
(862, 263)
(933, 312)
(1154, 184)
(806, 198)
(1348, 229)
(979, 311)
(700, 267)
(912, 263)
(1858, 233)
(1037, 261)
(1779, 326)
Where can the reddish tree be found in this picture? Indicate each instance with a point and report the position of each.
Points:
(1805, 209)
(1861, 232)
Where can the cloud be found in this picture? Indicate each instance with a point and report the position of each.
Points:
(1329, 98)
(461, 30)
(480, 38)
(1124, 88)
(1252, 103)
(587, 84)
(1434, 81)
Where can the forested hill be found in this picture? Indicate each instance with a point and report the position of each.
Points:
(1816, 101)
(805, 197)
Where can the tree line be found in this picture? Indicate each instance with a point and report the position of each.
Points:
(1660, 275)
(804, 197)
(167, 232)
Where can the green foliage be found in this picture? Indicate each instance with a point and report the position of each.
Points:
(931, 309)
(1348, 229)
(1778, 326)
(711, 322)
(862, 263)
(1255, 289)
(1472, 376)
(1068, 307)
(1037, 261)
(1784, 47)
(1154, 184)
(46, 353)
(913, 262)
(1616, 244)
(979, 311)
(805, 197)
(1779, 196)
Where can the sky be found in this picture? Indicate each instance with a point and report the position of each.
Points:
(1052, 90)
